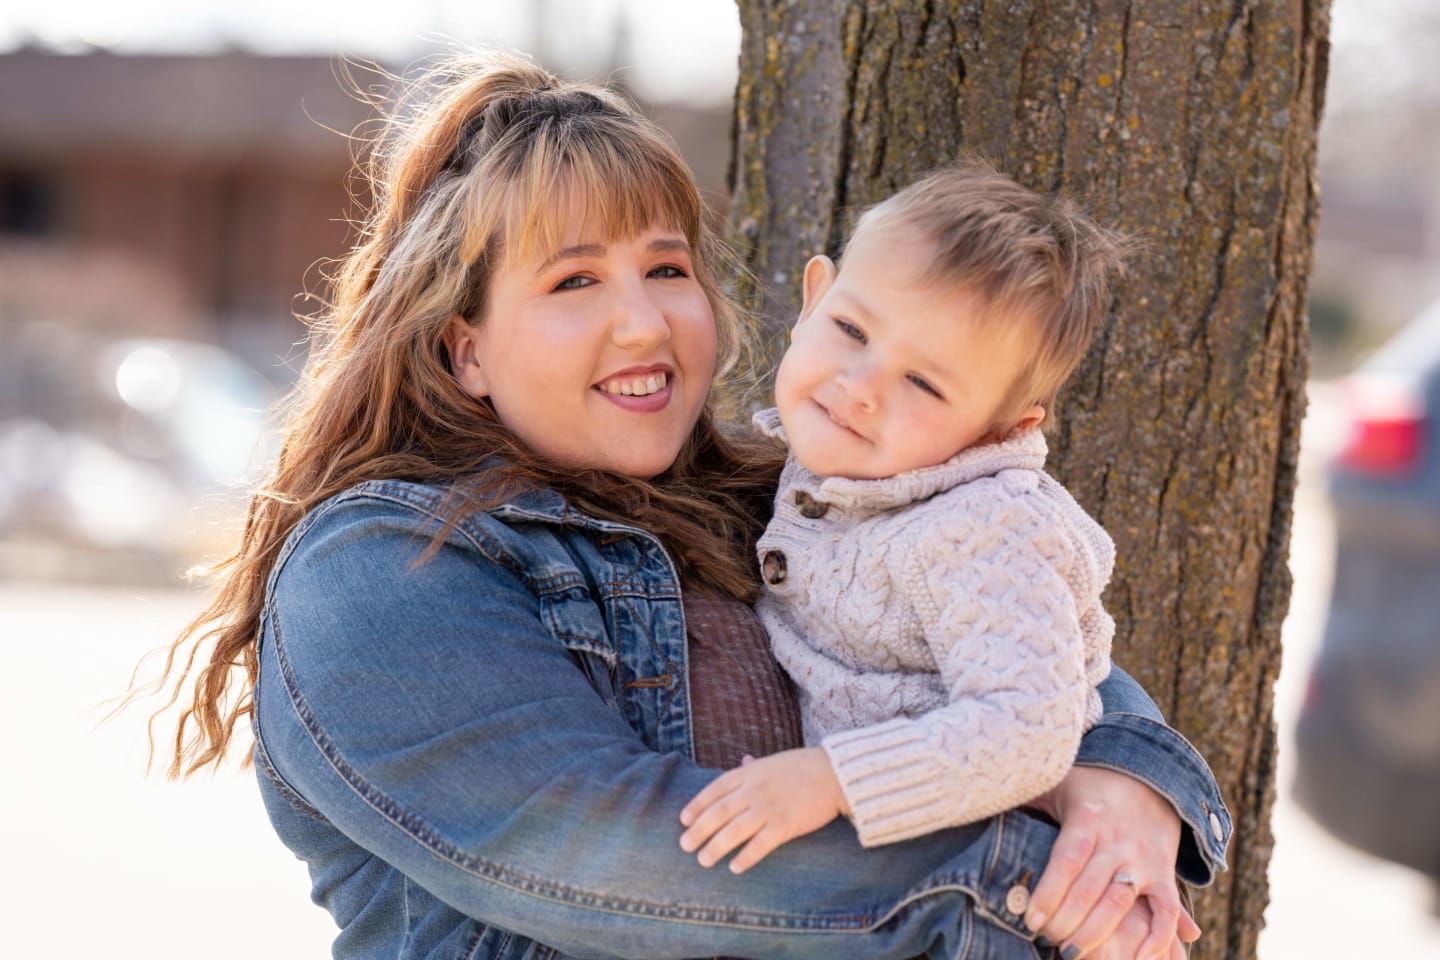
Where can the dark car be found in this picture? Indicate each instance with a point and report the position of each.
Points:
(1368, 736)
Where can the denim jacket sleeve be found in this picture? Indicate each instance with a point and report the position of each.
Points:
(1133, 738)
(426, 713)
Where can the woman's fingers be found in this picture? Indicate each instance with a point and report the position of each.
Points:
(1189, 930)
(1127, 937)
(1165, 913)
(1092, 910)
(1146, 930)
(1072, 851)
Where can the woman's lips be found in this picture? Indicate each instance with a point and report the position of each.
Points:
(643, 392)
(635, 385)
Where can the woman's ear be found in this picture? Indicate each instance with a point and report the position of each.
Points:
(462, 343)
(820, 274)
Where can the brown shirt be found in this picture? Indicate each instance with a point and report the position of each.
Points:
(741, 702)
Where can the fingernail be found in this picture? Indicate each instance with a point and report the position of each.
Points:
(1070, 952)
(1035, 920)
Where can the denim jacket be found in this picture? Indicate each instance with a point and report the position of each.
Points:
(484, 754)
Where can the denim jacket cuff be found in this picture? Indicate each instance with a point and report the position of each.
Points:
(1157, 755)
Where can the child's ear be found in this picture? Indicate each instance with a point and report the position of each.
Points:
(461, 341)
(1033, 416)
(820, 273)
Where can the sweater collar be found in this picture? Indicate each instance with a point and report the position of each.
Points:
(1024, 451)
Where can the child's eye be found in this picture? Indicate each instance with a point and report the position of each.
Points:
(924, 385)
(850, 330)
(576, 282)
(669, 272)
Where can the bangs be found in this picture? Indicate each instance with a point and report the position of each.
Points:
(604, 187)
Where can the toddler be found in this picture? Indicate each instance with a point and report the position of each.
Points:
(932, 591)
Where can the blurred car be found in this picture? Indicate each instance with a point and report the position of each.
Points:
(1368, 735)
(127, 448)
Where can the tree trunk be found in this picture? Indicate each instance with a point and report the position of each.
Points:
(1190, 125)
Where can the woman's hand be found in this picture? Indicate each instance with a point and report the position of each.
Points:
(1112, 826)
(762, 804)
(1133, 931)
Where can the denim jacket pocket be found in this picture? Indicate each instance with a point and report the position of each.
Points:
(575, 620)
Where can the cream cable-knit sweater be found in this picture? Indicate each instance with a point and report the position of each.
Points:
(944, 628)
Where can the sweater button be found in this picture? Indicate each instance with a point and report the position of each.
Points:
(772, 567)
(810, 508)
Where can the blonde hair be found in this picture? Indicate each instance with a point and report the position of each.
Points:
(1033, 259)
(468, 171)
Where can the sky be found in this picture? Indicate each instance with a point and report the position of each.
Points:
(681, 49)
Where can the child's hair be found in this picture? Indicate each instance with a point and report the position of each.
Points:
(1030, 257)
(485, 159)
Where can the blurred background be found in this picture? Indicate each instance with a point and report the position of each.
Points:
(172, 178)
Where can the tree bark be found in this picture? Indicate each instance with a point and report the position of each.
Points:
(1190, 125)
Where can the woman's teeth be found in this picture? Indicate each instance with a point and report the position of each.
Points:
(636, 386)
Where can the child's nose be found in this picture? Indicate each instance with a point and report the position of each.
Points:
(861, 384)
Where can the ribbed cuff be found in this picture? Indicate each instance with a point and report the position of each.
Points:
(892, 780)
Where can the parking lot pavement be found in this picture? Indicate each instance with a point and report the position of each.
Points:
(99, 855)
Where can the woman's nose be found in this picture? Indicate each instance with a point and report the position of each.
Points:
(639, 322)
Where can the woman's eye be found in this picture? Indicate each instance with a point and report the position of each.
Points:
(850, 330)
(668, 272)
(574, 283)
(925, 385)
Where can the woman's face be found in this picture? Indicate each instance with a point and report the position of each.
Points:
(597, 354)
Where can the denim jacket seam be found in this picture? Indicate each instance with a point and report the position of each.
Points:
(538, 887)
(631, 584)
(281, 785)
(482, 542)
(671, 666)
(1174, 737)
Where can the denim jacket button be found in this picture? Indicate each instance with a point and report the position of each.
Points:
(810, 508)
(772, 567)
(1017, 898)
(1215, 827)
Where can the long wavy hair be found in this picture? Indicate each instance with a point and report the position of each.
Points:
(466, 172)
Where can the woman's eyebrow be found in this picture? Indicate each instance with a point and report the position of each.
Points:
(569, 253)
(669, 243)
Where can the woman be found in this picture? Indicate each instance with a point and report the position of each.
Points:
(461, 601)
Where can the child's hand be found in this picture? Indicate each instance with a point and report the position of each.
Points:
(768, 802)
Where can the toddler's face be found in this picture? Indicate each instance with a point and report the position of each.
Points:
(885, 374)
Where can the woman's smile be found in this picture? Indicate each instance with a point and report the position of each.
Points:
(639, 389)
